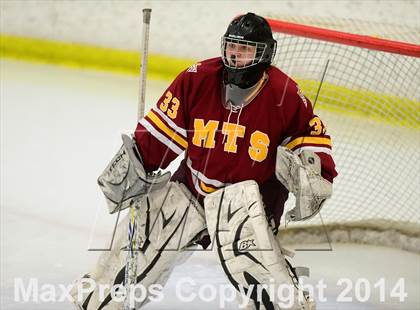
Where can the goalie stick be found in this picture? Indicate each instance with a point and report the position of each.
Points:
(132, 253)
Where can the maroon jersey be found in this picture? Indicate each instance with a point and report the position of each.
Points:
(224, 146)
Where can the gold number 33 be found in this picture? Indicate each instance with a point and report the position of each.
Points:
(318, 126)
(171, 111)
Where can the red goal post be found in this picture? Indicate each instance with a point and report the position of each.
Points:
(366, 90)
(345, 38)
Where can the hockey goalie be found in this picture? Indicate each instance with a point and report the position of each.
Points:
(249, 138)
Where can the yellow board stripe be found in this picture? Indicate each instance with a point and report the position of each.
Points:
(90, 56)
(352, 102)
(359, 103)
(308, 140)
(172, 135)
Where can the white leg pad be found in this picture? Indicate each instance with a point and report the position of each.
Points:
(168, 221)
(248, 251)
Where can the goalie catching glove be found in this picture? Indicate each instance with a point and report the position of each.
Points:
(124, 179)
(301, 175)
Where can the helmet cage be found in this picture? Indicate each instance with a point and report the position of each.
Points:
(261, 55)
(247, 59)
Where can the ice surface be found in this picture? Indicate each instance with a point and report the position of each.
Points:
(59, 129)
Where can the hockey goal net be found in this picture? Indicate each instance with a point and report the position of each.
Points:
(366, 90)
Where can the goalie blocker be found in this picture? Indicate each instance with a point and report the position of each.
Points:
(124, 179)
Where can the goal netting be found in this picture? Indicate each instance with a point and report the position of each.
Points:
(364, 83)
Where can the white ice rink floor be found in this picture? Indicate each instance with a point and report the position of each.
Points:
(59, 129)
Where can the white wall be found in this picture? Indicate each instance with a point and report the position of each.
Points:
(179, 28)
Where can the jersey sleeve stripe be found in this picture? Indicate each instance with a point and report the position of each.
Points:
(165, 129)
(316, 149)
(285, 141)
(300, 141)
(149, 127)
(170, 123)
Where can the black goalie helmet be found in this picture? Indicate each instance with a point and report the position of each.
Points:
(248, 48)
